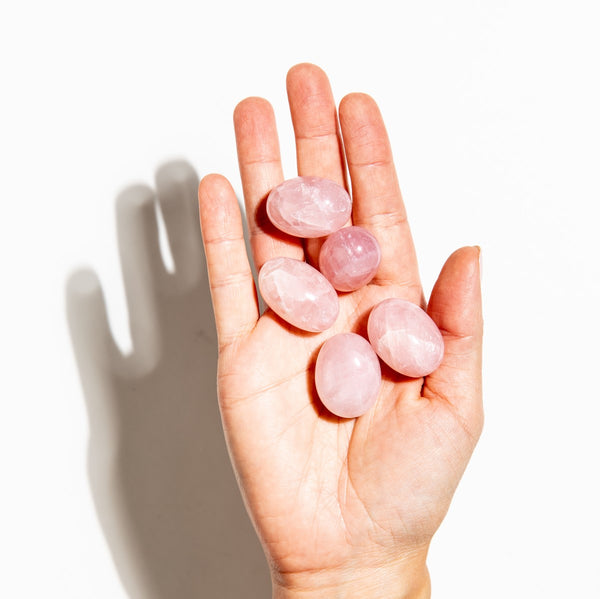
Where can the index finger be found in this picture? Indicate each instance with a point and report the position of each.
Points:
(377, 201)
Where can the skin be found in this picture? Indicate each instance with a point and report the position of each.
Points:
(343, 507)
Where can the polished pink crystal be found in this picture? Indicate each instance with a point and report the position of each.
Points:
(405, 337)
(298, 293)
(309, 206)
(349, 258)
(347, 375)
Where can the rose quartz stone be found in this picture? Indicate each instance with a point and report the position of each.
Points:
(405, 337)
(298, 293)
(347, 375)
(349, 258)
(309, 206)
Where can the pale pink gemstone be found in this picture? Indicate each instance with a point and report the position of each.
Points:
(347, 375)
(298, 293)
(349, 258)
(309, 206)
(405, 337)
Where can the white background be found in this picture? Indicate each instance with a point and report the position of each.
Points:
(493, 112)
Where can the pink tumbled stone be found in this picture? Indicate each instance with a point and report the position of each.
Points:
(405, 337)
(298, 293)
(347, 375)
(349, 258)
(309, 206)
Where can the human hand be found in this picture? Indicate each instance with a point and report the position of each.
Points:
(343, 507)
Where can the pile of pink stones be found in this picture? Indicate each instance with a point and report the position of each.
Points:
(347, 372)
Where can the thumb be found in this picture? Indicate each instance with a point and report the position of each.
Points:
(455, 306)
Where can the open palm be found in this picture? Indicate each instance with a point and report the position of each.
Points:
(336, 499)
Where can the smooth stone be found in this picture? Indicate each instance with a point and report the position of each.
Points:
(298, 293)
(349, 258)
(347, 375)
(309, 206)
(405, 337)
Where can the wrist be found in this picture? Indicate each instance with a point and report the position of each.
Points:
(404, 579)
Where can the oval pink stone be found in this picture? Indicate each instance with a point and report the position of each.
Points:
(347, 375)
(309, 206)
(405, 337)
(298, 293)
(349, 258)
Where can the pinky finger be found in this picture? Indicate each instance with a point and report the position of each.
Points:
(232, 287)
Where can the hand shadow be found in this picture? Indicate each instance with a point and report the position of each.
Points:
(161, 478)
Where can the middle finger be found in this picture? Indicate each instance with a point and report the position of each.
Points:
(319, 151)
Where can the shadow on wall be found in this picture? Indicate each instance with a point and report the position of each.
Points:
(161, 478)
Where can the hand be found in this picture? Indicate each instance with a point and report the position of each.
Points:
(344, 507)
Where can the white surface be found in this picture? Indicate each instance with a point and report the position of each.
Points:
(493, 113)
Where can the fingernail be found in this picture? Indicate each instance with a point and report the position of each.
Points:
(480, 263)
